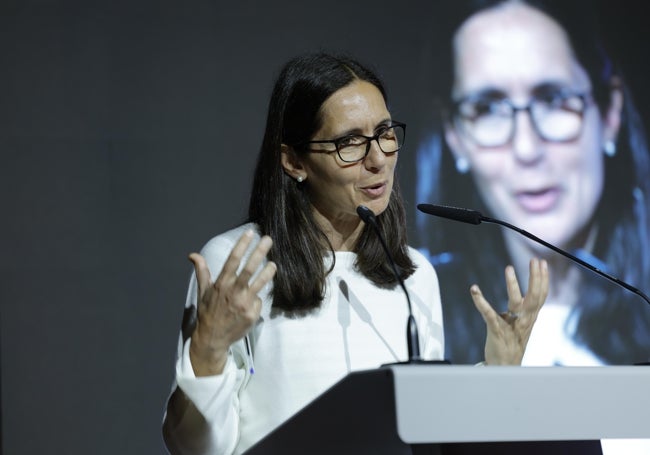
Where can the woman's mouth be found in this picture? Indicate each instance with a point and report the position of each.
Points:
(375, 190)
(538, 201)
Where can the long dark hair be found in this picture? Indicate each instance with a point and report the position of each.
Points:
(280, 206)
(611, 322)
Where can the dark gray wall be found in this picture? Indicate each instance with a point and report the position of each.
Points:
(128, 134)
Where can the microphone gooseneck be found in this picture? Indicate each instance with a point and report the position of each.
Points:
(475, 217)
(453, 213)
(412, 336)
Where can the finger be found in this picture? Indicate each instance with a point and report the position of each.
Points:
(231, 265)
(538, 287)
(533, 283)
(513, 290)
(543, 280)
(490, 316)
(264, 277)
(257, 308)
(254, 261)
(201, 271)
(509, 316)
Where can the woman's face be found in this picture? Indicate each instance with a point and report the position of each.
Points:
(335, 187)
(548, 188)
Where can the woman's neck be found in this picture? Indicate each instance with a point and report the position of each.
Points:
(564, 274)
(342, 232)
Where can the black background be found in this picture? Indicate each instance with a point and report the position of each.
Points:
(128, 133)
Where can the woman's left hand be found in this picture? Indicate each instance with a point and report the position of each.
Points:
(508, 333)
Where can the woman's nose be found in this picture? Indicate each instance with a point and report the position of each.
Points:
(527, 146)
(375, 158)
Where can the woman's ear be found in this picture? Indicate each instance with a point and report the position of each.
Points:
(612, 116)
(455, 143)
(291, 163)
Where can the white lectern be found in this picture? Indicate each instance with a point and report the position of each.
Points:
(445, 409)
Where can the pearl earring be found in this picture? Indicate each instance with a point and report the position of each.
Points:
(609, 147)
(300, 179)
(462, 165)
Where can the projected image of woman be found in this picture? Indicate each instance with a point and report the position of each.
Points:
(538, 129)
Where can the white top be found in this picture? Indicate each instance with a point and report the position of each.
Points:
(359, 326)
(552, 343)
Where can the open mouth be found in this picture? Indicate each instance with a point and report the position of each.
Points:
(375, 190)
(539, 200)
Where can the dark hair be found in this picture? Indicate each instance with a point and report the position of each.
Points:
(611, 322)
(280, 206)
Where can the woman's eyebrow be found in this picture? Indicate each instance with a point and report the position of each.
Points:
(552, 86)
(490, 93)
(541, 88)
(360, 132)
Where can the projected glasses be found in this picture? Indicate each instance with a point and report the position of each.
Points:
(490, 121)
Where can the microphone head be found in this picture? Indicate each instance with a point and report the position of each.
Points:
(366, 214)
(452, 213)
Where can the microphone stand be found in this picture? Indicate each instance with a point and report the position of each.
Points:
(568, 255)
(412, 336)
(475, 217)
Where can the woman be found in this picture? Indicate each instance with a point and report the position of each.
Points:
(538, 129)
(332, 307)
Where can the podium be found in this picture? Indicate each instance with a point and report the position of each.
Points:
(454, 410)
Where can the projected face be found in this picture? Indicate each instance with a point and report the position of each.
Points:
(526, 122)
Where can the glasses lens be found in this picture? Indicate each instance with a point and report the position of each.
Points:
(491, 123)
(487, 122)
(491, 131)
(560, 120)
(352, 148)
(391, 139)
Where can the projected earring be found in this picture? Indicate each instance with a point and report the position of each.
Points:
(300, 179)
(462, 165)
(609, 147)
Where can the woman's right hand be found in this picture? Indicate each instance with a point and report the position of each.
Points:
(228, 307)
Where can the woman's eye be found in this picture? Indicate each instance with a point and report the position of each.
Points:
(386, 133)
(350, 141)
(492, 107)
(552, 99)
(556, 96)
(483, 108)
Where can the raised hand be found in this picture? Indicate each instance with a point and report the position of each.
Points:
(229, 306)
(508, 333)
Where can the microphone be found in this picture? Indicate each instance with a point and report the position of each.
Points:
(412, 337)
(475, 217)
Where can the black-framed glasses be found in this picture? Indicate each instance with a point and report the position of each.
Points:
(355, 147)
(490, 122)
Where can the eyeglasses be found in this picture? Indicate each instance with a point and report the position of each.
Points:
(355, 147)
(490, 122)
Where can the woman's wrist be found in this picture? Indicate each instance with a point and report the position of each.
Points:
(207, 362)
